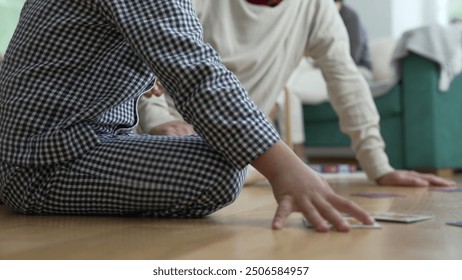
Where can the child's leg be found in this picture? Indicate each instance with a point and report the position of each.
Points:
(130, 175)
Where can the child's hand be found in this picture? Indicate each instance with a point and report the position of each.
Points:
(311, 195)
(297, 188)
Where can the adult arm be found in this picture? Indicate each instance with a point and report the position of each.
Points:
(352, 100)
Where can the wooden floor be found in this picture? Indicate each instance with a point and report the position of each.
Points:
(242, 231)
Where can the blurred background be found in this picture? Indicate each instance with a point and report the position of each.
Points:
(390, 18)
(382, 18)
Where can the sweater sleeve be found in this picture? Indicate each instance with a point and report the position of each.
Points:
(348, 91)
(168, 36)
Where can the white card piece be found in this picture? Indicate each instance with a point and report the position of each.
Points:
(400, 217)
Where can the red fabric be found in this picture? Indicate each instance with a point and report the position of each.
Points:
(271, 3)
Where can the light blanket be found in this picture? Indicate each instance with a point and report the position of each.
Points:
(441, 44)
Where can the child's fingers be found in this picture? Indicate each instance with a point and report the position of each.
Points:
(351, 208)
(282, 212)
(331, 214)
(312, 214)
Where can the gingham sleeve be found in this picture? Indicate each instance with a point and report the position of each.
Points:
(168, 36)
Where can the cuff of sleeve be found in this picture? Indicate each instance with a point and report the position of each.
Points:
(245, 153)
(375, 163)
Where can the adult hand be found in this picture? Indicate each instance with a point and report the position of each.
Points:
(173, 128)
(412, 178)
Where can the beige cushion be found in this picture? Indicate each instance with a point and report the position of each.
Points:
(381, 54)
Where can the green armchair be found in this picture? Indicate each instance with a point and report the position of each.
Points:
(421, 126)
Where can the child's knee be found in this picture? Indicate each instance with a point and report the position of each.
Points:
(234, 186)
(222, 192)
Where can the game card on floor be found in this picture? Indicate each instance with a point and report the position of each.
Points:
(447, 190)
(457, 224)
(400, 217)
(377, 195)
(352, 222)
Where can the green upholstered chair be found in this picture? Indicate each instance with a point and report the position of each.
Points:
(421, 126)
